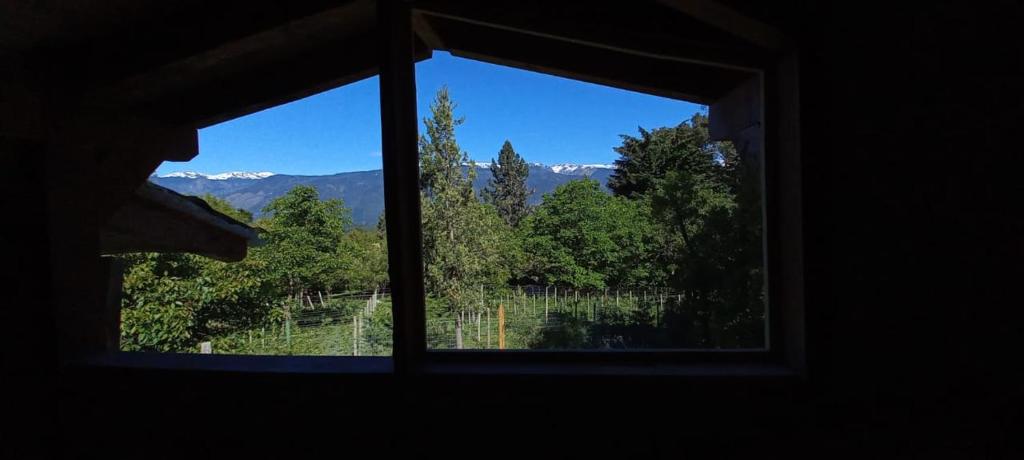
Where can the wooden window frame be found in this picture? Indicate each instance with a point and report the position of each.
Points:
(783, 359)
(783, 355)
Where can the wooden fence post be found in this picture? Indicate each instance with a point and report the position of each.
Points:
(458, 331)
(501, 326)
(288, 332)
(661, 308)
(355, 335)
(545, 304)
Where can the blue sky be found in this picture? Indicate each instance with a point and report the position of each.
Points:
(548, 120)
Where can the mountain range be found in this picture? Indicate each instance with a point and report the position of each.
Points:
(362, 191)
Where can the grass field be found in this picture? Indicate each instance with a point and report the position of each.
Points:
(356, 324)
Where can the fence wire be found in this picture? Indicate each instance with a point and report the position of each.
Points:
(536, 317)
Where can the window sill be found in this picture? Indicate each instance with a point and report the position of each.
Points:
(701, 371)
(383, 366)
(369, 365)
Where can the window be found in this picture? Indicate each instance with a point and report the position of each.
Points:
(550, 221)
(614, 195)
(307, 177)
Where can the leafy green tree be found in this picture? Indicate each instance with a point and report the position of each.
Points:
(645, 160)
(580, 236)
(715, 257)
(368, 252)
(302, 236)
(462, 238)
(506, 189)
(222, 206)
(172, 301)
(705, 200)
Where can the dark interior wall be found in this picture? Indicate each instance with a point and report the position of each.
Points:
(913, 224)
(912, 235)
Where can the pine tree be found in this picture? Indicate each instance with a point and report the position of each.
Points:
(506, 189)
(463, 240)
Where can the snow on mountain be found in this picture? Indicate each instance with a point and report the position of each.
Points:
(185, 174)
(241, 175)
(571, 168)
(221, 176)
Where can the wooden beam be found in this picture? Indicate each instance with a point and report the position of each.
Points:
(605, 28)
(272, 67)
(667, 78)
(738, 113)
(399, 143)
(22, 114)
(257, 50)
(421, 25)
(137, 37)
(156, 219)
(729, 20)
(786, 222)
(126, 150)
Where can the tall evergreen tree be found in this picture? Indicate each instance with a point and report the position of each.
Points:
(462, 238)
(506, 189)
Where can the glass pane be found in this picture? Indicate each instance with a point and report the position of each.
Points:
(559, 214)
(307, 176)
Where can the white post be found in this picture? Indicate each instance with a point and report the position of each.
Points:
(458, 331)
(661, 308)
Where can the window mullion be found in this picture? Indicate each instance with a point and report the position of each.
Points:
(401, 183)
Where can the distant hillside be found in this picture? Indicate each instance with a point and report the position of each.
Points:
(362, 191)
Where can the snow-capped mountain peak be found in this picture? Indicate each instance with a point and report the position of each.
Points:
(572, 168)
(221, 176)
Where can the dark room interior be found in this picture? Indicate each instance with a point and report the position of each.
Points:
(894, 230)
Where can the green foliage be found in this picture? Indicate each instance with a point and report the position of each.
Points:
(506, 190)
(582, 237)
(173, 301)
(645, 160)
(706, 204)
(302, 238)
(221, 205)
(367, 252)
(464, 241)
(685, 214)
